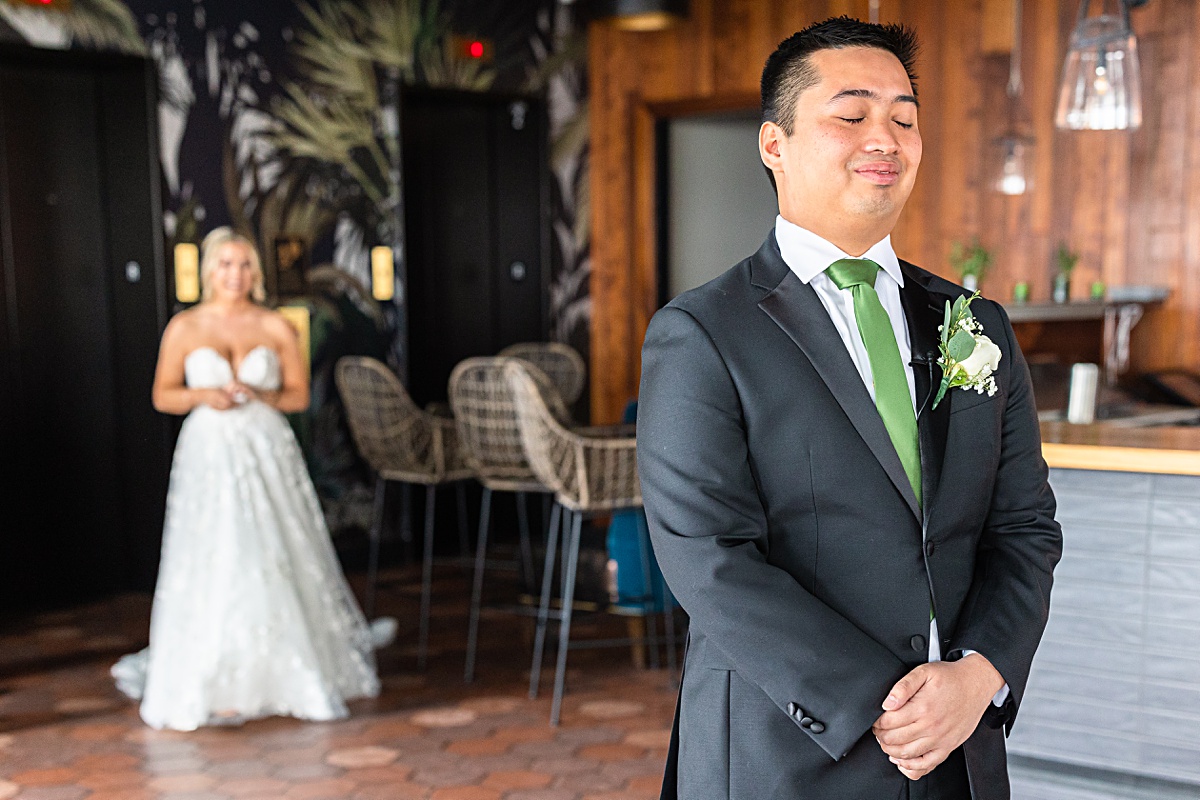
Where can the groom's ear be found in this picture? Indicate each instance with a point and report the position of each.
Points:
(770, 138)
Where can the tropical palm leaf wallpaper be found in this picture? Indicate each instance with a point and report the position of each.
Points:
(280, 117)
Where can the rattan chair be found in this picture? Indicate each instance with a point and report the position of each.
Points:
(589, 475)
(561, 363)
(491, 440)
(401, 443)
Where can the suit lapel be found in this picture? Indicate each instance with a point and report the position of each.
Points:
(795, 307)
(924, 313)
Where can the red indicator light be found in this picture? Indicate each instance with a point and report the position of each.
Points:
(475, 49)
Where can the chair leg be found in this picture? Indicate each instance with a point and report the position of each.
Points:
(539, 637)
(485, 508)
(375, 534)
(668, 604)
(426, 577)
(526, 548)
(464, 543)
(564, 624)
(406, 533)
(647, 591)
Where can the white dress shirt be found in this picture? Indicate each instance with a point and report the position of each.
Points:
(808, 255)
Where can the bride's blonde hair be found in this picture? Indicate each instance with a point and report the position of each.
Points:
(208, 261)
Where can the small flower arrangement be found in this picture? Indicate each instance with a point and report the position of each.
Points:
(967, 357)
(1065, 259)
(972, 262)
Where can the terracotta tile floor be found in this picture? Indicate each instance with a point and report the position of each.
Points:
(67, 734)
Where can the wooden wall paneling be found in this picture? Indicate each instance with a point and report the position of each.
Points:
(917, 236)
(1113, 260)
(645, 236)
(702, 45)
(1157, 170)
(1129, 202)
(1189, 289)
(1004, 222)
(997, 27)
(1044, 45)
(609, 149)
(742, 43)
(960, 152)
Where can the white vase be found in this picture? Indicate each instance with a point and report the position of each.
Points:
(970, 283)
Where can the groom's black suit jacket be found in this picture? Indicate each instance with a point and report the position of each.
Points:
(785, 525)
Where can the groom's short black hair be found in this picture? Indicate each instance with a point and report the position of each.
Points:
(789, 70)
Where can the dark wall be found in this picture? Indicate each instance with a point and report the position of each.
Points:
(274, 117)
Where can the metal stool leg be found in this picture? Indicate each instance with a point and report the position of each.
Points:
(375, 534)
(406, 533)
(464, 543)
(528, 574)
(426, 576)
(668, 603)
(564, 624)
(477, 591)
(539, 637)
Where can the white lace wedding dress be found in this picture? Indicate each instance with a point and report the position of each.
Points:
(252, 616)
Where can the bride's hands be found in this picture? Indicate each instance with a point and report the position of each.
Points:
(220, 399)
(239, 392)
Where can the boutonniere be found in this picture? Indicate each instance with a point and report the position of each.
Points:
(968, 358)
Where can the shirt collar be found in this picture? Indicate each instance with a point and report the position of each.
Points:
(807, 254)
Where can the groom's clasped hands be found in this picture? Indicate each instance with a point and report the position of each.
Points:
(934, 709)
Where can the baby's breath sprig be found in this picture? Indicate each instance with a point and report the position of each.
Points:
(967, 357)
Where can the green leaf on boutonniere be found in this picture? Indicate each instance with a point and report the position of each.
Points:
(961, 345)
(961, 336)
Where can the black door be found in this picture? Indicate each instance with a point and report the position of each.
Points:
(84, 458)
(475, 177)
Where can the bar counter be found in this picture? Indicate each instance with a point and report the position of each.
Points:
(1158, 451)
(1114, 696)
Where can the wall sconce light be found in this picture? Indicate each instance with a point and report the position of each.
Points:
(640, 15)
(301, 320)
(187, 272)
(1101, 78)
(383, 273)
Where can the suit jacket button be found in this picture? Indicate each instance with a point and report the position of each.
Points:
(918, 642)
(816, 727)
(792, 709)
(929, 548)
(806, 722)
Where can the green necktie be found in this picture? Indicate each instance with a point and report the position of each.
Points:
(892, 398)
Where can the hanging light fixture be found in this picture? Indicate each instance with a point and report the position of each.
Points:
(1101, 78)
(1013, 155)
(640, 15)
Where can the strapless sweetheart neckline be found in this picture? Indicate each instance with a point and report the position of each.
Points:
(235, 370)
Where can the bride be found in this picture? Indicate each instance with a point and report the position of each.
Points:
(252, 616)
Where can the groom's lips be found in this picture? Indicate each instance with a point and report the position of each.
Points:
(881, 173)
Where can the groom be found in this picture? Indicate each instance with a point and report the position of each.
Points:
(867, 576)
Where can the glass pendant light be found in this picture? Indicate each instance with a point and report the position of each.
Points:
(1013, 177)
(1101, 78)
(1013, 150)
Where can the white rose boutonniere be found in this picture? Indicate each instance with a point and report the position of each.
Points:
(968, 358)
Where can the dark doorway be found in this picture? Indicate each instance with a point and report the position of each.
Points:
(82, 303)
(475, 189)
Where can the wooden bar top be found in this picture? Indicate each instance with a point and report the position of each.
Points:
(1168, 450)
